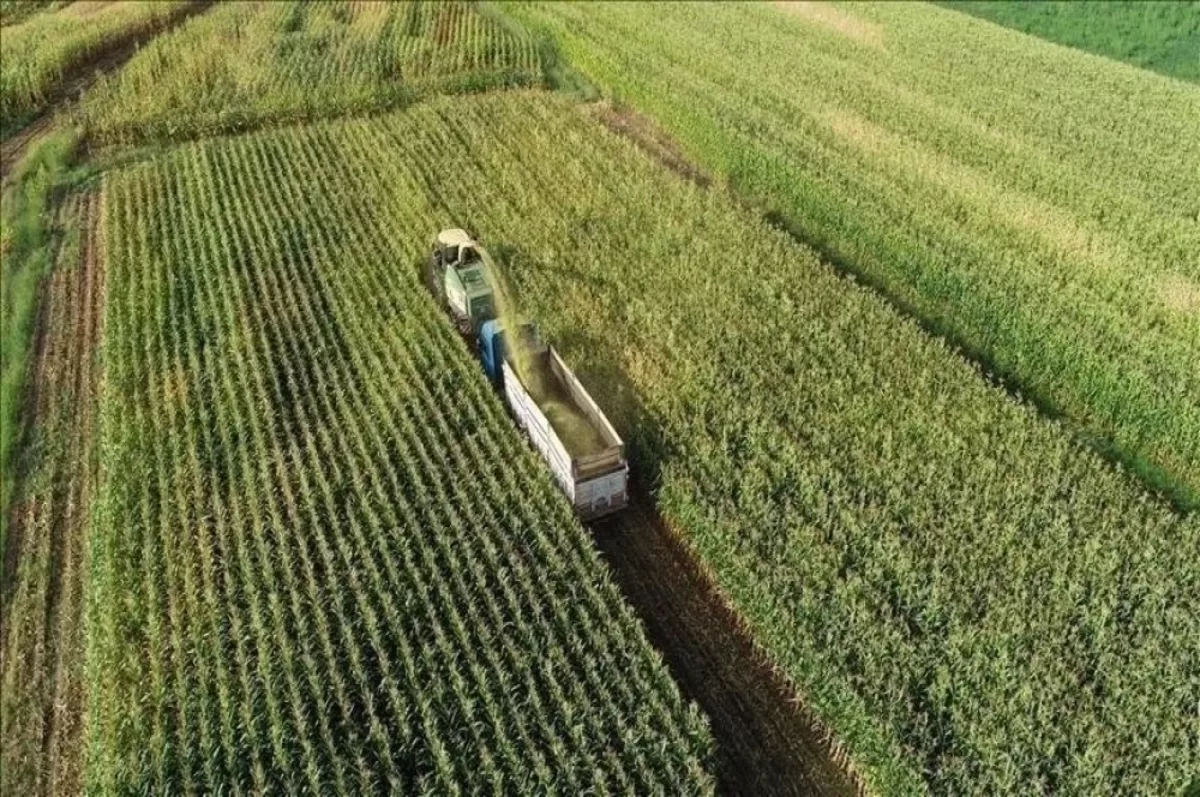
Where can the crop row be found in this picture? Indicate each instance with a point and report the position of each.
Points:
(972, 599)
(39, 50)
(325, 560)
(1048, 227)
(243, 64)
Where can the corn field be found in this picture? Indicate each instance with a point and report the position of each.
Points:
(301, 546)
(1050, 226)
(324, 559)
(14, 11)
(43, 46)
(973, 600)
(243, 64)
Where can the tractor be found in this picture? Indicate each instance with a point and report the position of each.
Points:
(456, 274)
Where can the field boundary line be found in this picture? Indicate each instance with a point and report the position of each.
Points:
(77, 78)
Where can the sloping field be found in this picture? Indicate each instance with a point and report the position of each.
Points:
(1037, 206)
(247, 63)
(973, 600)
(43, 47)
(1160, 35)
(324, 559)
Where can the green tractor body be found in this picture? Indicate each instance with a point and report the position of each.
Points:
(457, 275)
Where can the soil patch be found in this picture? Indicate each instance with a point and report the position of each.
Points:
(651, 139)
(767, 742)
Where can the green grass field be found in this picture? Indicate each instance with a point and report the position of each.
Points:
(1159, 35)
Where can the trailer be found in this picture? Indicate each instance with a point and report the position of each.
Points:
(566, 426)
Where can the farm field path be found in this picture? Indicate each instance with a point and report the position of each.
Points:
(12, 149)
(767, 743)
(80, 77)
(41, 652)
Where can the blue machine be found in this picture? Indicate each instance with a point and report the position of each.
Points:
(492, 347)
(491, 350)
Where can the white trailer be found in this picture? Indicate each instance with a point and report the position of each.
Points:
(595, 482)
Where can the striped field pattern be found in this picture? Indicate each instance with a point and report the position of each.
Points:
(351, 568)
(243, 64)
(1049, 227)
(324, 559)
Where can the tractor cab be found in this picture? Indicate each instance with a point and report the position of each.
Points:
(454, 247)
(457, 275)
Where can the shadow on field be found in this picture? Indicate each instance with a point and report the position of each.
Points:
(766, 743)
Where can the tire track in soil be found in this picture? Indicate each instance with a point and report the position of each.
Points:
(42, 650)
(767, 742)
(79, 77)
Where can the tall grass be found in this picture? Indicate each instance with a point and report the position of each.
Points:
(325, 560)
(974, 601)
(15, 11)
(1047, 227)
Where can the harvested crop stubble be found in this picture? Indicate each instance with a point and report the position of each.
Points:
(971, 599)
(1022, 199)
(325, 560)
(244, 64)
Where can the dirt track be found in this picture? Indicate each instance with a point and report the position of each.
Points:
(767, 743)
(81, 76)
(657, 144)
(41, 649)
